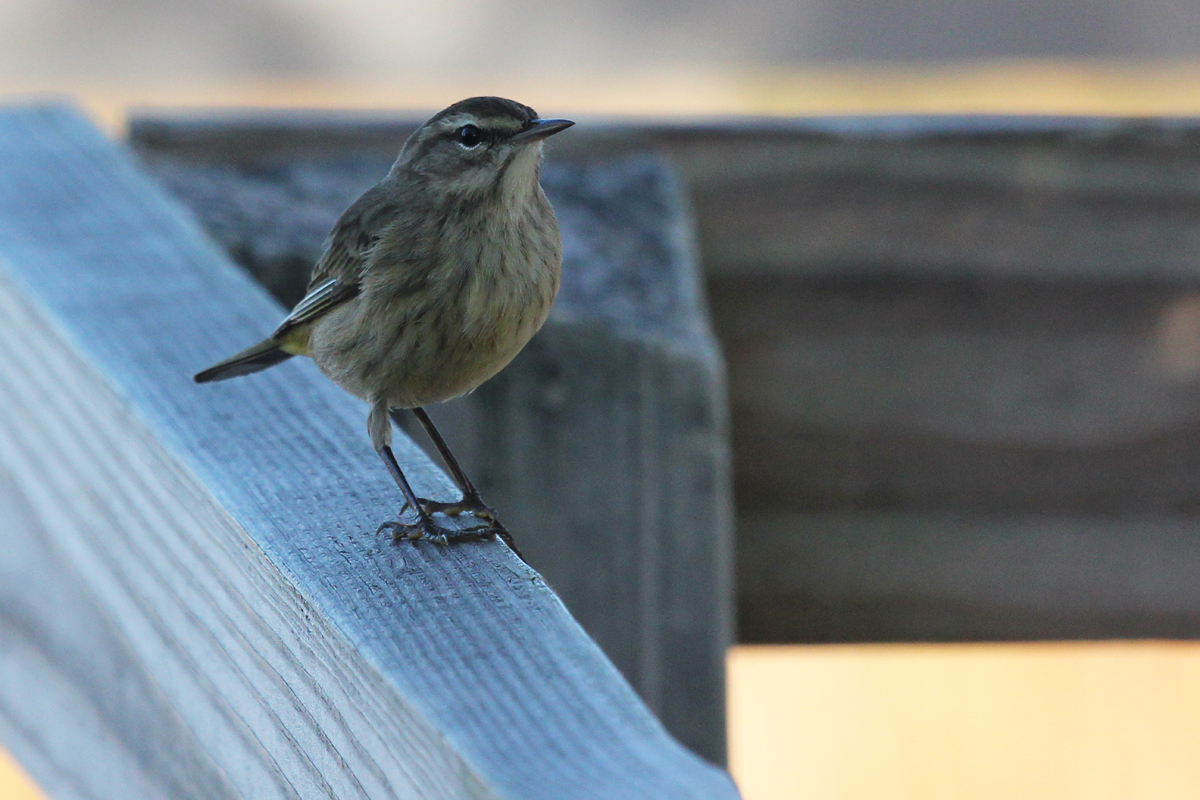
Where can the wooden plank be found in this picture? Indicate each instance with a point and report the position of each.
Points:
(241, 609)
(624, 385)
(1016, 397)
(945, 576)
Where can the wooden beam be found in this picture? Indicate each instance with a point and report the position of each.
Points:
(195, 604)
(967, 576)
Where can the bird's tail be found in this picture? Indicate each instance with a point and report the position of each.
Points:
(266, 353)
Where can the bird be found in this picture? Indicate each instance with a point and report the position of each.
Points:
(429, 284)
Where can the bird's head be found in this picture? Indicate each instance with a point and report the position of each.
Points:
(479, 145)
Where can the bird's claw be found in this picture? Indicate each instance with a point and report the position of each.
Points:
(425, 528)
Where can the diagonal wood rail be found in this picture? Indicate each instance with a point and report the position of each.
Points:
(192, 603)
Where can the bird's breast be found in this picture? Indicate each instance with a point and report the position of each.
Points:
(478, 301)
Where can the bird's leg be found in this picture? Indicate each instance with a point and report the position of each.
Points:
(424, 527)
(471, 501)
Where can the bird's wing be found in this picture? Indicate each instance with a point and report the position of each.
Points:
(314, 304)
(337, 276)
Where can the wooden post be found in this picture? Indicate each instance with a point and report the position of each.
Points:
(194, 604)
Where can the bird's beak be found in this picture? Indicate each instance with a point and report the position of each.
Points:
(539, 129)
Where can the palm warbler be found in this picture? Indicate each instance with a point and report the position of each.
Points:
(430, 283)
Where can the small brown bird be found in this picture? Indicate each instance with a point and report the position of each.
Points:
(430, 284)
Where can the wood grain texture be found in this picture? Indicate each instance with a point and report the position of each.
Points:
(997, 397)
(195, 567)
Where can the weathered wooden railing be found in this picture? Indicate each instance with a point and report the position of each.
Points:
(191, 600)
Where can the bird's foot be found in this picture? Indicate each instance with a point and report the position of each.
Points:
(426, 528)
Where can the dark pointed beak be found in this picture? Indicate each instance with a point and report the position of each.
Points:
(539, 129)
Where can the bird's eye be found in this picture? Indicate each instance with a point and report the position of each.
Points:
(468, 135)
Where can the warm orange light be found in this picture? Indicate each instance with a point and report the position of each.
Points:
(15, 784)
(1015, 87)
(1056, 721)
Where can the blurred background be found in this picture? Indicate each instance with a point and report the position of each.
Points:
(963, 353)
(374, 40)
(701, 57)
